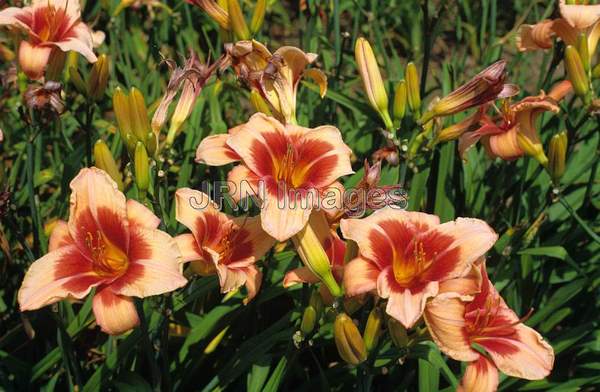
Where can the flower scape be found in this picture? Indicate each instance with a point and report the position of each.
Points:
(287, 195)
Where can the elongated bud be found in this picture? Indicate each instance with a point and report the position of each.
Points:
(557, 155)
(56, 64)
(122, 113)
(576, 72)
(309, 320)
(130, 143)
(413, 89)
(484, 87)
(397, 333)
(184, 108)
(314, 257)
(260, 105)
(142, 169)
(105, 161)
(98, 79)
(535, 150)
(584, 51)
(400, 100)
(371, 77)
(140, 124)
(237, 20)
(216, 13)
(212, 346)
(258, 16)
(373, 329)
(77, 80)
(316, 302)
(151, 143)
(348, 341)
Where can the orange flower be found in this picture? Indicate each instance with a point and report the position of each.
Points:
(499, 134)
(406, 256)
(287, 167)
(220, 244)
(50, 24)
(457, 322)
(109, 244)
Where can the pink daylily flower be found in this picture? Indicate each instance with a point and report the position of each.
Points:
(288, 166)
(219, 244)
(456, 323)
(405, 257)
(49, 24)
(110, 244)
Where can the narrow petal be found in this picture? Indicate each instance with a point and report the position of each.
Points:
(524, 354)
(456, 246)
(80, 42)
(155, 265)
(250, 241)
(480, 376)
(253, 283)
(60, 236)
(140, 215)
(319, 78)
(299, 275)
(445, 320)
(407, 305)
(360, 276)
(214, 151)
(115, 314)
(188, 247)
(62, 273)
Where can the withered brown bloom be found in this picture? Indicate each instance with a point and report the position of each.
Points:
(45, 98)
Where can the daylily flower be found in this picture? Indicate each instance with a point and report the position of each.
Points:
(50, 24)
(406, 256)
(457, 322)
(575, 19)
(219, 244)
(287, 167)
(110, 244)
(499, 134)
(334, 247)
(275, 76)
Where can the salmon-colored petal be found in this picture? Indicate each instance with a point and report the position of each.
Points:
(332, 199)
(33, 59)
(80, 41)
(230, 278)
(537, 36)
(191, 205)
(579, 16)
(253, 283)
(97, 206)
(480, 376)
(214, 151)
(469, 239)
(407, 305)
(188, 247)
(115, 314)
(565, 31)
(283, 218)
(465, 286)
(242, 183)
(360, 276)
(377, 244)
(445, 321)
(251, 241)
(18, 17)
(60, 236)
(72, 8)
(505, 145)
(523, 354)
(593, 38)
(62, 273)
(299, 275)
(140, 215)
(154, 265)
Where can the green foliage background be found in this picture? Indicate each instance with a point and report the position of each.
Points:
(553, 267)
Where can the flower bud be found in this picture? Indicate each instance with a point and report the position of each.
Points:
(373, 329)
(140, 124)
(348, 341)
(105, 161)
(258, 16)
(151, 143)
(397, 333)
(56, 64)
(316, 301)
(213, 344)
(400, 98)
(98, 79)
(237, 21)
(372, 82)
(142, 169)
(122, 112)
(532, 149)
(260, 105)
(557, 154)
(77, 80)
(584, 51)
(313, 255)
(576, 72)
(454, 131)
(216, 13)
(309, 320)
(413, 89)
